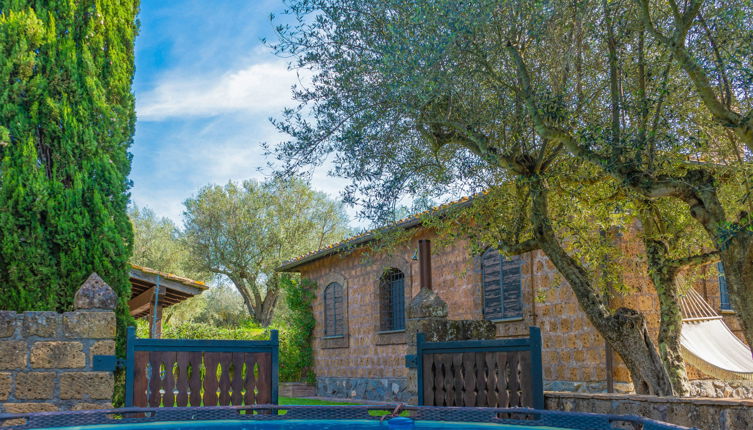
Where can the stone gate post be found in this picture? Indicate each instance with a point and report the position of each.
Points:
(46, 358)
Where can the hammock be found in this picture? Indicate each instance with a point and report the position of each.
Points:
(708, 344)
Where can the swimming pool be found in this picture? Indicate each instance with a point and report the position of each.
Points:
(269, 417)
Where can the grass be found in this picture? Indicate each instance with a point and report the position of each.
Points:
(299, 401)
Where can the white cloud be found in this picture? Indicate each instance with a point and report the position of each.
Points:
(257, 88)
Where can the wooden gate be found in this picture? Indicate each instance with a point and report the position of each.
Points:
(178, 372)
(481, 373)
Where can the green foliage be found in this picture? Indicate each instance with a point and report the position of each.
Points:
(66, 122)
(158, 244)
(299, 321)
(220, 306)
(207, 331)
(242, 232)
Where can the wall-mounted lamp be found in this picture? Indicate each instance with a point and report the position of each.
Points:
(415, 255)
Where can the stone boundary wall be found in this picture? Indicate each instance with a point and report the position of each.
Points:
(703, 413)
(46, 357)
(375, 389)
(706, 388)
(721, 389)
(296, 389)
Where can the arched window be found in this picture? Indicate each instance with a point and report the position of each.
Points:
(334, 321)
(500, 280)
(392, 300)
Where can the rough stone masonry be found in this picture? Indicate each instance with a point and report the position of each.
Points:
(46, 357)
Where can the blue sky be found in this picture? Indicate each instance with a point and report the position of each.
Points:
(205, 87)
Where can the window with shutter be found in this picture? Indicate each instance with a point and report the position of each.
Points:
(392, 300)
(501, 285)
(724, 303)
(334, 323)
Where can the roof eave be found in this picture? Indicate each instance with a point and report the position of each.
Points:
(409, 223)
(288, 267)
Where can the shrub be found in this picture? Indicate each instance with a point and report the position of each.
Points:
(298, 363)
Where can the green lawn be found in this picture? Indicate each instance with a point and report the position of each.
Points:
(298, 401)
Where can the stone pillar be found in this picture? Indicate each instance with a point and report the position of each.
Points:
(46, 358)
(427, 314)
(425, 311)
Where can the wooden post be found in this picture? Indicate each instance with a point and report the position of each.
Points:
(155, 316)
(424, 263)
(155, 321)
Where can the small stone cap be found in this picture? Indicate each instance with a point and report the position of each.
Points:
(95, 294)
(427, 304)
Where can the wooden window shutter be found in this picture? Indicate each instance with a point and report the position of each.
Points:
(512, 303)
(501, 285)
(398, 301)
(334, 324)
(491, 265)
(339, 311)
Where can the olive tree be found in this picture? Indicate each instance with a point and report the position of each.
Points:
(242, 232)
(442, 96)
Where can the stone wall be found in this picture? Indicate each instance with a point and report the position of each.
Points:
(721, 389)
(46, 357)
(296, 389)
(378, 389)
(364, 353)
(706, 414)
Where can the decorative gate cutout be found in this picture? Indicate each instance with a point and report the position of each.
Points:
(481, 373)
(177, 372)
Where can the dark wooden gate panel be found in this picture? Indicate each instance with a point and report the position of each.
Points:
(481, 373)
(174, 372)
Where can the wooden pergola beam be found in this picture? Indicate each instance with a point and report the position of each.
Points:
(143, 301)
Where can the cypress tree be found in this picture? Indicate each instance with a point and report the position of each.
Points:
(66, 122)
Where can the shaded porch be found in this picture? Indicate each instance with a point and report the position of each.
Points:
(152, 291)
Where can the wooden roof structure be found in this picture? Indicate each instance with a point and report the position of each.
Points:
(411, 221)
(170, 290)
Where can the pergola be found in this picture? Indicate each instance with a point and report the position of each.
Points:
(152, 291)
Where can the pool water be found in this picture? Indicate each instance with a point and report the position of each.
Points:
(394, 424)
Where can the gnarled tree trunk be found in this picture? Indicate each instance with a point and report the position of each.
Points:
(625, 330)
(734, 241)
(664, 277)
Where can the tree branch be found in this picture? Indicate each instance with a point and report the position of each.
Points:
(694, 260)
(547, 132)
(645, 16)
(519, 248)
(742, 125)
(614, 90)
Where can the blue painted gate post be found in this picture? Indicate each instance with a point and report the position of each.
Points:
(420, 339)
(130, 345)
(537, 370)
(274, 340)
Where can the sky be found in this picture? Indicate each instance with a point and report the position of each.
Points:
(205, 88)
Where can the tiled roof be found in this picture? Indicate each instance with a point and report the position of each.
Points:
(180, 279)
(408, 222)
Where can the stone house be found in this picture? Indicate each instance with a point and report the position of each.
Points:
(360, 339)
